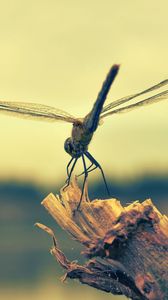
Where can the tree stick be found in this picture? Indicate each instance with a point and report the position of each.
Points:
(126, 247)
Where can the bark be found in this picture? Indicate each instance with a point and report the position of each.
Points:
(126, 247)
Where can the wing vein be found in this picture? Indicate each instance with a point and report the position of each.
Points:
(150, 100)
(123, 100)
(35, 111)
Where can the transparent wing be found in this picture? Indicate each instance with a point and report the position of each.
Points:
(150, 100)
(123, 100)
(35, 111)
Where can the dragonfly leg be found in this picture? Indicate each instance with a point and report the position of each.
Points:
(68, 165)
(70, 173)
(84, 181)
(97, 165)
(94, 168)
(88, 170)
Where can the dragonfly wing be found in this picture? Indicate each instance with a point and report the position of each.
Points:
(130, 97)
(35, 111)
(150, 100)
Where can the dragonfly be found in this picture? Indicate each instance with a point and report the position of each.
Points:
(84, 128)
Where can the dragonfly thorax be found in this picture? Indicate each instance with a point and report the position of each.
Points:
(75, 149)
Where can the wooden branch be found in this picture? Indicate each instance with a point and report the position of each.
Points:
(126, 247)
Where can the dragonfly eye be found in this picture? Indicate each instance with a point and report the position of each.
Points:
(68, 146)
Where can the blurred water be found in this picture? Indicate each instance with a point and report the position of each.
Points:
(54, 291)
(26, 266)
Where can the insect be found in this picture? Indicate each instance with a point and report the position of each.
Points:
(84, 128)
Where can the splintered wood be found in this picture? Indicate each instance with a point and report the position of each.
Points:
(126, 247)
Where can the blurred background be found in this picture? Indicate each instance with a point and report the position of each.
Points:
(58, 53)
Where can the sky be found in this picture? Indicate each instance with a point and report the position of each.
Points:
(58, 53)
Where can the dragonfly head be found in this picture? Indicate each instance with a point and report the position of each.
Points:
(68, 146)
(74, 149)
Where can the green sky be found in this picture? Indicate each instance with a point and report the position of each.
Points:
(58, 53)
